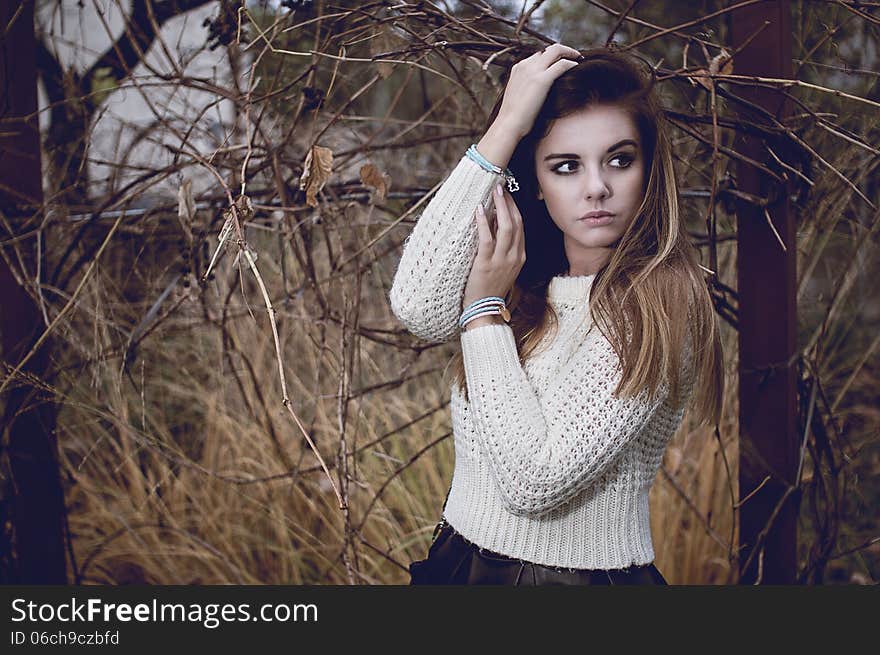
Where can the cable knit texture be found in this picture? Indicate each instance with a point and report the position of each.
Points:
(550, 467)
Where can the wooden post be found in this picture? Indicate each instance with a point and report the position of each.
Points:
(33, 502)
(766, 275)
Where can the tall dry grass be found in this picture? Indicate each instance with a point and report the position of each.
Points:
(188, 470)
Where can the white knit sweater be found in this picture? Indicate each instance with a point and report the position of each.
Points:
(549, 466)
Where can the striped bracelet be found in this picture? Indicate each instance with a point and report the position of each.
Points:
(488, 312)
(473, 153)
(484, 306)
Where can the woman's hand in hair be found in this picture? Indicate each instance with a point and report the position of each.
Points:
(500, 256)
(529, 82)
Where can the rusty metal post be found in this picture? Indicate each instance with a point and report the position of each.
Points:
(32, 503)
(766, 275)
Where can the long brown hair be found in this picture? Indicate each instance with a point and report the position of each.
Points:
(638, 298)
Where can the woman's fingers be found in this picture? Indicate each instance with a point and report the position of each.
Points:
(510, 239)
(518, 249)
(518, 234)
(552, 54)
(557, 68)
(486, 246)
(555, 50)
(504, 232)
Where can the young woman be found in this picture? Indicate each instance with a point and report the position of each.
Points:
(584, 320)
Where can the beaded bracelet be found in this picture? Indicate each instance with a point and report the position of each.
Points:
(474, 154)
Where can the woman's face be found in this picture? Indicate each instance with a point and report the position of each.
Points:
(591, 161)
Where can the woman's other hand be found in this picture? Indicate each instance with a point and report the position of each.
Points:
(501, 256)
(528, 84)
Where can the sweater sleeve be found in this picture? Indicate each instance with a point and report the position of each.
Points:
(429, 283)
(542, 452)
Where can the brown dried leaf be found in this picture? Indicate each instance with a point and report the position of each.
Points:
(317, 169)
(373, 177)
(245, 208)
(721, 63)
(186, 209)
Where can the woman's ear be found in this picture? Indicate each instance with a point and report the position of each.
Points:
(540, 195)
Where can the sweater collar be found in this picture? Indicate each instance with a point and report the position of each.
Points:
(570, 289)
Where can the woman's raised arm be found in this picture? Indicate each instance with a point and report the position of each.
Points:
(427, 291)
(429, 283)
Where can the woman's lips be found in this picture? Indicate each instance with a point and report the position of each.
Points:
(602, 220)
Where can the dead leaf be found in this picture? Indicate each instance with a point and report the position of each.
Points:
(374, 178)
(186, 209)
(722, 63)
(245, 208)
(245, 213)
(317, 169)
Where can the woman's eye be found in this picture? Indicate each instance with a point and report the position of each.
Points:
(624, 162)
(558, 168)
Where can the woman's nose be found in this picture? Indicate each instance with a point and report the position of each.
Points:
(596, 185)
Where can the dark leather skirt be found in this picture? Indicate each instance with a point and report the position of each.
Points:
(453, 560)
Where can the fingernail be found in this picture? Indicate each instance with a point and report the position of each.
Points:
(498, 189)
